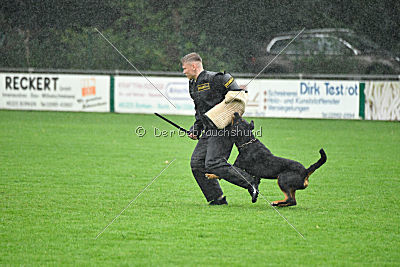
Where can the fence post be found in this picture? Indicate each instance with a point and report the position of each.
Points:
(111, 93)
(362, 101)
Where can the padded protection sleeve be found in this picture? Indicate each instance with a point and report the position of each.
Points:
(222, 114)
(236, 96)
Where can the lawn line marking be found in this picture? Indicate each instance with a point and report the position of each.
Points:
(270, 203)
(135, 67)
(133, 200)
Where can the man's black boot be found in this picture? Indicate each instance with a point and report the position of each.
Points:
(238, 177)
(253, 190)
(221, 201)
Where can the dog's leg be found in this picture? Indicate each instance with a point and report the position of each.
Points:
(280, 202)
(284, 185)
(288, 201)
(212, 176)
(292, 201)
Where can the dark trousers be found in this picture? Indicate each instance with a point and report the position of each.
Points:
(210, 156)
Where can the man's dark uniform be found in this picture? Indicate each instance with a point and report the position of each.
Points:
(214, 146)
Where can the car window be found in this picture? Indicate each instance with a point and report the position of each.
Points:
(311, 45)
(305, 46)
(302, 46)
(332, 46)
(278, 46)
(362, 43)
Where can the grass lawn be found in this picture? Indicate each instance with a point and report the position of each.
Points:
(65, 176)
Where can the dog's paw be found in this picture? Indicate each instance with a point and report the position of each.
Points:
(282, 204)
(211, 176)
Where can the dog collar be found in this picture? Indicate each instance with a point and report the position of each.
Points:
(248, 143)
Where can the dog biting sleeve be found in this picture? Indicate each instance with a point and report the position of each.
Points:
(221, 115)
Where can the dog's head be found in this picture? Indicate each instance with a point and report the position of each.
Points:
(241, 130)
(242, 123)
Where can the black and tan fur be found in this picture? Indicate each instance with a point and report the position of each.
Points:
(257, 160)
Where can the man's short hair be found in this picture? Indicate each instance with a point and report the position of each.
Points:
(192, 57)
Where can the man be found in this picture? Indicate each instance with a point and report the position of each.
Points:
(208, 89)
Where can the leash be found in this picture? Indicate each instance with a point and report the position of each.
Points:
(248, 143)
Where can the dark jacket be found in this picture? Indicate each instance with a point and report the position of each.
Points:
(207, 91)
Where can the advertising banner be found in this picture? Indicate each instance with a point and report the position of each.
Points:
(138, 95)
(55, 92)
(254, 102)
(267, 98)
(304, 99)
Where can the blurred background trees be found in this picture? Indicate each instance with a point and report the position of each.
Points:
(154, 35)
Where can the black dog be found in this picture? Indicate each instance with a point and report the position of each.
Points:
(258, 161)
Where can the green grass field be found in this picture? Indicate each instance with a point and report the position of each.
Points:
(65, 176)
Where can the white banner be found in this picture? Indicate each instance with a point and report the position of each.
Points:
(138, 95)
(56, 92)
(254, 105)
(267, 98)
(304, 99)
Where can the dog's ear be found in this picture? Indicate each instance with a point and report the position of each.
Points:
(252, 125)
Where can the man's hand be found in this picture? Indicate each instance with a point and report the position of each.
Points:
(192, 136)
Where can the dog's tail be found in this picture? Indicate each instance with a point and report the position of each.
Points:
(318, 164)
